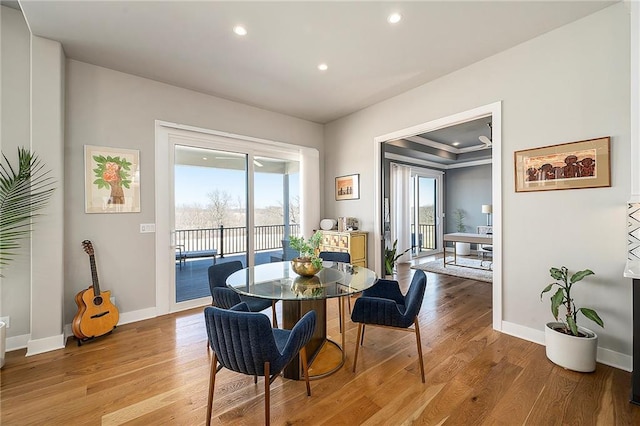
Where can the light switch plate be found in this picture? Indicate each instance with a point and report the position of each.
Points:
(147, 227)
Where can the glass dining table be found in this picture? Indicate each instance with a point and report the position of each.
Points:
(299, 295)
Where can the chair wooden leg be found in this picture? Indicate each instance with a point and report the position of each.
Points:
(267, 402)
(355, 356)
(273, 313)
(418, 341)
(212, 382)
(305, 369)
(362, 338)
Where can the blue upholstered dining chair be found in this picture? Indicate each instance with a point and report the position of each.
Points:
(218, 275)
(384, 305)
(337, 256)
(244, 342)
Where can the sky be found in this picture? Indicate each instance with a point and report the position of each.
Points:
(192, 184)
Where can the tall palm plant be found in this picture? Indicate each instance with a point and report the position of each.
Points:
(24, 190)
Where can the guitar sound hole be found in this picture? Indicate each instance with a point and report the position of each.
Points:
(97, 300)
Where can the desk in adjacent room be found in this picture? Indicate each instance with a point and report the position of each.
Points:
(463, 237)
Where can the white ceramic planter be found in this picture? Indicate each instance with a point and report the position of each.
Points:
(3, 338)
(570, 352)
(463, 249)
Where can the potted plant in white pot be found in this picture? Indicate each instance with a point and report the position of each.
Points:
(463, 249)
(568, 344)
(24, 189)
(308, 263)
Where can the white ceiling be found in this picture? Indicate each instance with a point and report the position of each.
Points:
(191, 44)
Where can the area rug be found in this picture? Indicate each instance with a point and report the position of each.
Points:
(459, 271)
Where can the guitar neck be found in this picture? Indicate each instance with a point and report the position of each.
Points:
(94, 275)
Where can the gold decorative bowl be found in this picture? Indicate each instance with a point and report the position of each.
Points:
(304, 267)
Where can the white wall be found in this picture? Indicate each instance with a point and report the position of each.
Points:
(568, 85)
(109, 108)
(15, 283)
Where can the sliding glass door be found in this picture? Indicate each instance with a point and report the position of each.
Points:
(230, 206)
(210, 215)
(221, 198)
(276, 207)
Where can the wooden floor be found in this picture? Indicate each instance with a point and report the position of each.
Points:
(156, 372)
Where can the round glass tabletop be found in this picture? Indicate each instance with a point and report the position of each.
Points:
(278, 281)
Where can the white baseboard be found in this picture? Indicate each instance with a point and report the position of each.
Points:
(58, 342)
(51, 343)
(139, 315)
(605, 356)
(17, 342)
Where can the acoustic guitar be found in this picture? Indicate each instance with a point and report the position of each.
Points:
(75, 324)
(100, 316)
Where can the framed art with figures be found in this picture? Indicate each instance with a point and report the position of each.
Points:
(574, 165)
(348, 187)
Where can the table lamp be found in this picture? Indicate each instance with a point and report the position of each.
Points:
(487, 209)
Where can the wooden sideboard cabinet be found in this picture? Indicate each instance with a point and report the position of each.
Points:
(354, 243)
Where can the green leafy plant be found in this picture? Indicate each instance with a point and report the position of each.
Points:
(24, 189)
(390, 257)
(563, 297)
(112, 170)
(459, 217)
(308, 249)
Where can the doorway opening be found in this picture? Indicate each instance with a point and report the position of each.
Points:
(405, 138)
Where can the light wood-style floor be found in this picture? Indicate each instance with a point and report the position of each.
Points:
(156, 372)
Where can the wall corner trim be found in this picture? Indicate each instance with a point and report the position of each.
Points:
(46, 344)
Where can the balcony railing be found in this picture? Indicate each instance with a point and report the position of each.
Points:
(269, 237)
(233, 240)
(426, 237)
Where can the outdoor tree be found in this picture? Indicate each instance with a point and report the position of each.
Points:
(192, 216)
(218, 206)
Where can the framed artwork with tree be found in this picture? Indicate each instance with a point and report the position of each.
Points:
(112, 180)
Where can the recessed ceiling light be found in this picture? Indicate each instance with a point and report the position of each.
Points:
(323, 67)
(240, 30)
(204, 158)
(455, 143)
(394, 18)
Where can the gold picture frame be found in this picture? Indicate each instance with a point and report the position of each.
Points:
(348, 187)
(573, 165)
(111, 180)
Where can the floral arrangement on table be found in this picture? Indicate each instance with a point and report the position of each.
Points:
(308, 263)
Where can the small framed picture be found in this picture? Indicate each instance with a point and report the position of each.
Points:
(574, 165)
(112, 180)
(348, 187)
